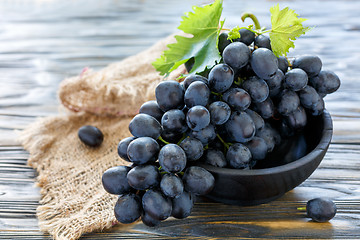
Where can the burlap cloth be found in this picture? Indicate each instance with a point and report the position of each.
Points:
(73, 201)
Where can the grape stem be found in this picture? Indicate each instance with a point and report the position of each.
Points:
(301, 208)
(227, 145)
(161, 139)
(253, 18)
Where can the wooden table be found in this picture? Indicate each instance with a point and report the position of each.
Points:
(42, 42)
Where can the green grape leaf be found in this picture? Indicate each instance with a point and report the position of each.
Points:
(285, 28)
(203, 25)
(234, 33)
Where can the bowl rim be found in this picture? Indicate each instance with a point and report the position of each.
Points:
(318, 150)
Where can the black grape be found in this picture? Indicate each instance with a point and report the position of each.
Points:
(182, 205)
(219, 112)
(275, 83)
(238, 156)
(326, 82)
(156, 205)
(258, 148)
(264, 63)
(171, 185)
(283, 64)
(114, 180)
(193, 148)
(257, 119)
(240, 127)
(297, 119)
(174, 121)
(128, 208)
(143, 177)
(318, 109)
(197, 118)
(236, 55)
(152, 108)
(215, 158)
(149, 220)
(169, 95)
(296, 79)
(223, 42)
(289, 102)
(193, 78)
(270, 135)
(198, 181)
(90, 135)
(143, 125)
(171, 137)
(321, 209)
(197, 93)
(246, 36)
(237, 98)
(262, 41)
(221, 77)
(309, 63)
(172, 158)
(123, 146)
(143, 150)
(205, 135)
(265, 109)
(257, 89)
(310, 99)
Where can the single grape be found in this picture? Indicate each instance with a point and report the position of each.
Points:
(172, 158)
(149, 220)
(309, 63)
(143, 125)
(182, 205)
(197, 93)
(143, 177)
(221, 77)
(238, 156)
(205, 135)
(283, 64)
(265, 109)
(289, 102)
(236, 55)
(128, 208)
(240, 127)
(262, 41)
(123, 146)
(318, 109)
(321, 209)
(169, 95)
(310, 99)
(258, 148)
(223, 42)
(194, 78)
(90, 135)
(171, 185)
(152, 108)
(197, 118)
(174, 121)
(264, 63)
(257, 119)
(219, 112)
(156, 205)
(270, 135)
(215, 158)
(114, 180)
(245, 72)
(296, 79)
(193, 148)
(198, 181)
(257, 89)
(143, 150)
(326, 82)
(237, 98)
(246, 36)
(275, 83)
(297, 119)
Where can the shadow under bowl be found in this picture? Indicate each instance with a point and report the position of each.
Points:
(258, 186)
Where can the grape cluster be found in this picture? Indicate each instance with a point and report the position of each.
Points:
(231, 116)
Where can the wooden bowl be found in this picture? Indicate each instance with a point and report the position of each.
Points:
(257, 186)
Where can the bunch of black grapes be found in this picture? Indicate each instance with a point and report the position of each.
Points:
(231, 116)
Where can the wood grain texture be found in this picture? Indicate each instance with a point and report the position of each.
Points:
(43, 42)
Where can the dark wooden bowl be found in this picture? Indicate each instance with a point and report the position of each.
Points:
(257, 186)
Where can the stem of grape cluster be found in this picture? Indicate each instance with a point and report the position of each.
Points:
(227, 145)
(253, 18)
(161, 139)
